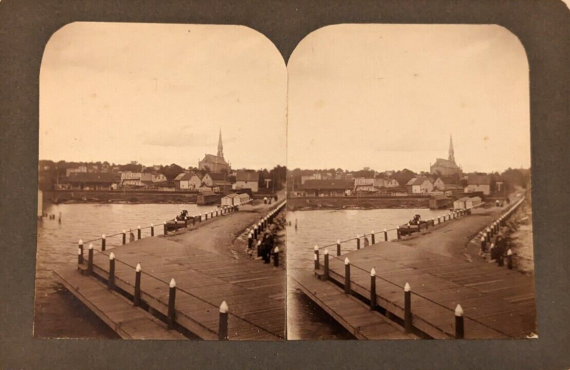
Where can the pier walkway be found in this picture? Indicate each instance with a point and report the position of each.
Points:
(497, 302)
(204, 278)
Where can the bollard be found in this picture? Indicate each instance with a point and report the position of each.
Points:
(200, 218)
(171, 303)
(90, 261)
(398, 232)
(124, 236)
(407, 308)
(346, 276)
(510, 259)
(193, 220)
(111, 280)
(357, 241)
(151, 229)
(276, 257)
(438, 220)
(459, 324)
(372, 289)
(80, 252)
(317, 263)
(139, 232)
(372, 237)
(338, 248)
(165, 232)
(326, 275)
(137, 295)
(223, 327)
(103, 242)
(259, 248)
(385, 235)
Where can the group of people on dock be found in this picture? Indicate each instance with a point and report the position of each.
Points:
(267, 244)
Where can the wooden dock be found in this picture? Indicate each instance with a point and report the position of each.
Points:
(351, 313)
(497, 303)
(254, 292)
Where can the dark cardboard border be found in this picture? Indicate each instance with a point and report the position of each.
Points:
(542, 26)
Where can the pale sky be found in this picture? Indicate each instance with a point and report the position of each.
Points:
(159, 94)
(389, 96)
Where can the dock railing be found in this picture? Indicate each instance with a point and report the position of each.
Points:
(135, 292)
(408, 316)
(359, 241)
(255, 231)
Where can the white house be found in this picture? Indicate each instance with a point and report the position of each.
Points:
(478, 183)
(364, 184)
(391, 183)
(419, 185)
(247, 180)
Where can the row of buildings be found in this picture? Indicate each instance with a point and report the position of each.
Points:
(214, 173)
(420, 185)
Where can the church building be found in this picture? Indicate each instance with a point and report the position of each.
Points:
(215, 163)
(446, 167)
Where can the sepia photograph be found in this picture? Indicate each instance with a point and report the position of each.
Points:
(161, 190)
(409, 208)
(193, 186)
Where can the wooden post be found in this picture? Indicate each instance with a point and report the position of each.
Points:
(317, 262)
(346, 276)
(139, 232)
(510, 259)
(326, 275)
(193, 220)
(357, 241)
(223, 327)
(483, 245)
(80, 252)
(137, 295)
(372, 237)
(438, 220)
(459, 324)
(111, 280)
(90, 261)
(407, 308)
(276, 257)
(185, 222)
(151, 229)
(124, 236)
(338, 248)
(200, 218)
(385, 235)
(398, 232)
(171, 304)
(372, 289)
(165, 231)
(103, 242)
(250, 240)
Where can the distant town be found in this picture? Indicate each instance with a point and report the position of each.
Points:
(212, 174)
(444, 178)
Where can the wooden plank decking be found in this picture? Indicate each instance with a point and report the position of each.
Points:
(116, 311)
(254, 292)
(356, 317)
(498, 303)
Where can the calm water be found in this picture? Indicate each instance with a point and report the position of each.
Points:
(57, 246)
(323, 227)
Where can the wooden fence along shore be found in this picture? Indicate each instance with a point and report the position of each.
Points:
(156, 288)
(429, 295)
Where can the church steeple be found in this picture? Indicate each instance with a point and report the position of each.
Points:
(451, 153)
(220, 146)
